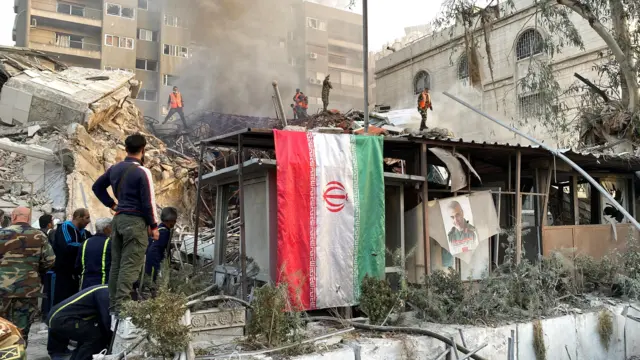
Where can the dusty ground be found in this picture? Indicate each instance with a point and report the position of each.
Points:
(37, 349)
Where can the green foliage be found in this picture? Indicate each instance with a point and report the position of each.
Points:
(605, 328)
(161, 318)
(377, 299)
(538, 341)
(272, 322)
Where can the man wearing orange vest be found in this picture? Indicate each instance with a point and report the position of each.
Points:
(175, 104)
(303, 106)
(424, 104)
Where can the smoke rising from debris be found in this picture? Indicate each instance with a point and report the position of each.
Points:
(238, 49)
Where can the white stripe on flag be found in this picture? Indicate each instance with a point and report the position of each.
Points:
(335, 220)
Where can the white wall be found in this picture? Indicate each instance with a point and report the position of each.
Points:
(439, 55)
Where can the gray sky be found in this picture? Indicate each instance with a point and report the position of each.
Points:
(387, 18)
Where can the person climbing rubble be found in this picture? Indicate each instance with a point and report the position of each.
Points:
(176, 105)
(136, 217)
(159, 250)
(424, 104)
(326, 89)
(94, 259)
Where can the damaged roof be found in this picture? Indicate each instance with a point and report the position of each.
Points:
(263, 138)
(15, 60)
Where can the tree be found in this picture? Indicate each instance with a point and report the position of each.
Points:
(609, 105)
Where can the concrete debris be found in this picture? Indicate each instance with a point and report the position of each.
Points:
(65, 127)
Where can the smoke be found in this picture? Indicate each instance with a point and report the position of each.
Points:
(239, 49)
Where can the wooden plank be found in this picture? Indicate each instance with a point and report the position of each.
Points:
(425, 210)
(518, 208)
(547, 189)
(575, 202)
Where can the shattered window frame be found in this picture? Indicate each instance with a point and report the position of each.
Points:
(146, 4)
(144, 95)
(71, 8)
(120, 11)
(168, 80)
(183, 51)
(176, 21)
(146, 65)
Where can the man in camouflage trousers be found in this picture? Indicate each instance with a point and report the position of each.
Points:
(326, 88)
(25, 252)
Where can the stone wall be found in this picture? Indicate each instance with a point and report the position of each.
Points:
(440, 55)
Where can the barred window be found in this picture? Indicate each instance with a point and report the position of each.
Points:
(420, 81)
(530, 106)
(530, 43)
(463, 67)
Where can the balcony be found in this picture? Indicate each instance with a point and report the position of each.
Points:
(72, 48)
(67, 13)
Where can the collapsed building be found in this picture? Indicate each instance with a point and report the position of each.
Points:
(61, 127)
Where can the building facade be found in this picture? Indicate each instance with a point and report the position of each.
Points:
(146, 36)
(332, 45)
(439, 62)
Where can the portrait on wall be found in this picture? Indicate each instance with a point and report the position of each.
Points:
(462, 235)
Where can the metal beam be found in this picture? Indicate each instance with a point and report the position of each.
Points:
(557, 153)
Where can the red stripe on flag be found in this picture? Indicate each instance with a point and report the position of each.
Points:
(294, 215)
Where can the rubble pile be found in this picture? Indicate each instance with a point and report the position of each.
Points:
(61, 128)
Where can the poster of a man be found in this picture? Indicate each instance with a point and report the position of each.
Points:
(461, 234)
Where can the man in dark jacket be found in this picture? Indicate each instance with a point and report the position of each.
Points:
(94, 259)
(158, 250)
(67, 241)
(46, 225)
(136, 217)
(83, 318)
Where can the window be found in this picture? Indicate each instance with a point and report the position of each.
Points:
(69, 41)
(119, 41)
(316, 24)
(169, 80)
(148, 95)
(175, 50)
(463, 67)
(421, 81)
(530, 43)
(121, 11)
(148, 65)
(70, 9)
(147, 35)
(171, 20)
(530, 106)
(143, 4)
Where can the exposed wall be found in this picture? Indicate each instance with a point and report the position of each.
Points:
(440, 54)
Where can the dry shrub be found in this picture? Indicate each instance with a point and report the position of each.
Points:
(605, 328)
(377, 299)
(161, 318)
(538, 341)
(272, 323)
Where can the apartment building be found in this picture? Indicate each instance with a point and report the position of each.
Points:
(332, 43)
(150, 37)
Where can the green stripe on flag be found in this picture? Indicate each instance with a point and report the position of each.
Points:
(370, 210)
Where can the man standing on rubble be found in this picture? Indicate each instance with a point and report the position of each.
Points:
(24, 253)
(326, 88)
(303, 105)
(67, 241)
(176, 105)
(424, 104)
(296, 102)
(136, 217)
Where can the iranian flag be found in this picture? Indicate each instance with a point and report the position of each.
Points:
(330, 216)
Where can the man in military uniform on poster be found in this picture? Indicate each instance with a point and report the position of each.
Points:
(25, 252)
(462, 234)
